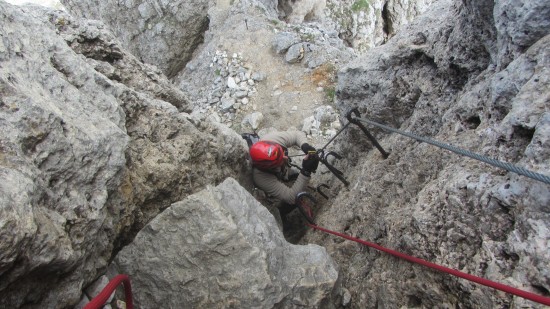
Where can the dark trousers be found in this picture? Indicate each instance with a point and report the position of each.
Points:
(285, 209)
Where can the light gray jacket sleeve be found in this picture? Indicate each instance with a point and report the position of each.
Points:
(272, 186)
(286, 138)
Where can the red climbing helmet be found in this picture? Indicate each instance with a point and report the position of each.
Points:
(267, 155)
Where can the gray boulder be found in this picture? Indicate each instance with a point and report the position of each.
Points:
(284, 40)
(252, 121)
(220, 248)
(431, 68)
(295, 53)
(91, 151)
(162, 33)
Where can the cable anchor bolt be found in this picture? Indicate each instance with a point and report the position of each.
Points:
(351, 119)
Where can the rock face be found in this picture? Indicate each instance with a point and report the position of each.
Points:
(241, 68)
(365, 24)
(452, 76)
(92, 148)
(296, 12)
(192, 256)
(167, 33)
(95, 144)
(163, 33)
(519, 26)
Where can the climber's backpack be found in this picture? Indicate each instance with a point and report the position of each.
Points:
(250, 138)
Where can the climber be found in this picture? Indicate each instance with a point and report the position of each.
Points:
(271, 167)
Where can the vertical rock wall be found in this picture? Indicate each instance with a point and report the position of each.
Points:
(93, 147)
(364, 24)
(296, 12)
(63, 154)
(520, 24)
(162, 33)
(457, 76)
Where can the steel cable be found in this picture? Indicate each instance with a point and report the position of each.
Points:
(497, 163)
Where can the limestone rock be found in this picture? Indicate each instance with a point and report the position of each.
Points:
(296, 12)
(241, 28)
(284, 40)
(253, 120)
(325, 114)
(227, 103)
(237, 91)
(295, 53)
(220, 248)
(92, 151)
(106, 55)
(258, 76)
(95, 288)
(519, 26)
(82, 303)
(434, 71)
(63, 149)
(231, 82)
(442, 78)
(311, 44)
(310, 124)
(161, 33)
(366, 24)
(96, 144)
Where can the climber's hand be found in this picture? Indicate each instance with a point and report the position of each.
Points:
(310, 164)
(308, 149)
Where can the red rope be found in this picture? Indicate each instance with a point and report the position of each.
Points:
(454, 272)
(100, 300)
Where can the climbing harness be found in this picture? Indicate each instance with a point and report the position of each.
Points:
(99, 301)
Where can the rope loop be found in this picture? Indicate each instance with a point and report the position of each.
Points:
(99, 301)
